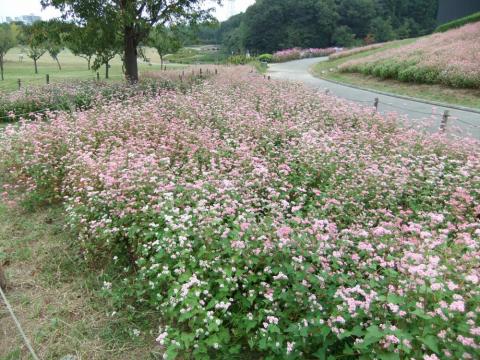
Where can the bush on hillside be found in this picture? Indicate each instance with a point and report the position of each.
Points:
(266, 58)
(459, 22)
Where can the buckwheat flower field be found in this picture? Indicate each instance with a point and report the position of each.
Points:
(298, 53)
(261, 219)
(451, 58)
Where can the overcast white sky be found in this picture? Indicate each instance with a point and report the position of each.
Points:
(25, 7)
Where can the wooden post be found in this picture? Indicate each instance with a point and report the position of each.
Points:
(216, 72)
(269, 77)
(200, 71)
(375, 104)
(327, 91)
(47, 78)
(443, 125)
(98, 76)
(19, 84)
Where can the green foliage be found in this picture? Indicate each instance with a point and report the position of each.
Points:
(238, 60)
(79, 41)
(458, 23)
(271, 25)
(35, 38)
(343, 36)
(266, 58)
(7, 41)
(165, 41)
(129, 23)
(382, 30)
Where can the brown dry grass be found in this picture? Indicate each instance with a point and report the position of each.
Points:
(54, 296)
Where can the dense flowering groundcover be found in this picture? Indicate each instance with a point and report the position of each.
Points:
(451, 58)
(34, 101)
(298, 53)
(261, 218)
(356, 50)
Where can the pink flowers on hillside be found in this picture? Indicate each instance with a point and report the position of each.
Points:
(451, 58)
(298, 53)
(259, 217)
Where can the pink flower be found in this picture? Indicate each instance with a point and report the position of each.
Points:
(284, 231)
(458, 305)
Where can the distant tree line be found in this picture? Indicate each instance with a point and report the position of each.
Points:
(271, 25)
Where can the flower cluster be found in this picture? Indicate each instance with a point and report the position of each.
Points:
(451, 58)
(264, 218)
(298, 53)
(357, 50)
(33, 102)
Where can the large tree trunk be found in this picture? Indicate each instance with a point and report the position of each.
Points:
(161, 62)
(36, 68)
(89, 60)
(107, 65)
(131, 66)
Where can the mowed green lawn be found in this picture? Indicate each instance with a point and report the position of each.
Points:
(73, 68)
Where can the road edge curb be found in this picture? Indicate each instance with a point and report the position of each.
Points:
(403, 97)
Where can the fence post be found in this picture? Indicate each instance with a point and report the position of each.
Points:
(98, 76)
(216, 71)
(375, 103)
(269, 77)
(47, 77)
(19, 84)
(443, 125)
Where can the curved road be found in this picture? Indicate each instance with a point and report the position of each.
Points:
(461, 122)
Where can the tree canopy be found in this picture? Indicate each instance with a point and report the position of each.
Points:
(133, 19)
(271, 25)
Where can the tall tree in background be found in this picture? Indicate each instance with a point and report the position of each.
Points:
(7, 41)
(54, 43)
(106, 41)
(134, 17)
(165, 41)
(34, 37)
(80, 41)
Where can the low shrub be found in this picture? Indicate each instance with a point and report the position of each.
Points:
(238, 60)
(266, 58)
(458, 22)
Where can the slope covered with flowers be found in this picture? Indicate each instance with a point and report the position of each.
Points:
(260, 218)
(451, 58)
(298, 53)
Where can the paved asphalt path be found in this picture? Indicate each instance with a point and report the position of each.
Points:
(462, 123)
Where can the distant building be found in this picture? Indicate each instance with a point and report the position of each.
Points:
(26, 19)
(454, 9)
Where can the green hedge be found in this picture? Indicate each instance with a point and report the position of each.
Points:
(459, 22)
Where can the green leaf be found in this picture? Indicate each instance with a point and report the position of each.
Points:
(421, 314)
(431, 342)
